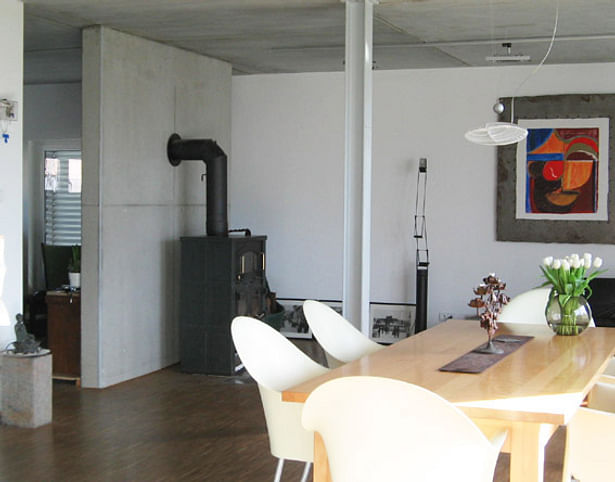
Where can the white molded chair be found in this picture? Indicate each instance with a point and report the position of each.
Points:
(591, 437)
(610, 372)
(276, 364)
(379, 429)
(341, 341)
(528, 307)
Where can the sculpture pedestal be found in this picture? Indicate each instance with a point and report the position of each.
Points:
(26, 389)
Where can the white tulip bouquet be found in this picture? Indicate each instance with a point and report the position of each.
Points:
(570, 278)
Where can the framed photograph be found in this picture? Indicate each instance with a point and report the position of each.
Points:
(553, 187)
(335, 304)
(391, 322)
(294, 324)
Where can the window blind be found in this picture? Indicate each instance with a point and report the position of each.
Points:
(63, 197)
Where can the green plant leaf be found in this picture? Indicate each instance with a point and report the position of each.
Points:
(569, 289)
(551, 276)
(589, 292)
(563, 299)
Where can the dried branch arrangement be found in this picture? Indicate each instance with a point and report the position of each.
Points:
(490, 299)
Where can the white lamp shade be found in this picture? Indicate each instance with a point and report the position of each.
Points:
(497, 134)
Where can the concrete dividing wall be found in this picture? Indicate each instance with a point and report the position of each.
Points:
(11, 88)
(287, 179)
(135, 204)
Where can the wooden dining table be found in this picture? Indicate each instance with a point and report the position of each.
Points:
(530, 392)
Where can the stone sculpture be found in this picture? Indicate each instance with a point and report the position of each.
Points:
(25, 342)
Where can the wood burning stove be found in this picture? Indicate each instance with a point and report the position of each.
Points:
(222, 276)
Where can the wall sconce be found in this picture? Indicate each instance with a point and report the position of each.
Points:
(8, 113)
(4, 314)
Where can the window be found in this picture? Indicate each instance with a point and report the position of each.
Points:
(63, 197)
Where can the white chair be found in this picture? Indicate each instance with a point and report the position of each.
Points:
(379, 429)
(591, 437)
(341, 341)
(528, 307)
(610, 371)
(276, 364)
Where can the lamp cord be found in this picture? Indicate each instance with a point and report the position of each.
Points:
(512, 100)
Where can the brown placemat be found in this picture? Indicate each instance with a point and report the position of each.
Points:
(473, 362)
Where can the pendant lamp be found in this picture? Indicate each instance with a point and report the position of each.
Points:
(497, 134)
(505, 133)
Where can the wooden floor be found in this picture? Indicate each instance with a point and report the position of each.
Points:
(165, 426)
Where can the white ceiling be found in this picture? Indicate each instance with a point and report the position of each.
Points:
(266, 36)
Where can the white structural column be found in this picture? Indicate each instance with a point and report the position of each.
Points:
(11, 155)
(358, 162)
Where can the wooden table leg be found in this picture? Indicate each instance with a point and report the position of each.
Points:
(527, 451)
(321, 462)
(565, 467)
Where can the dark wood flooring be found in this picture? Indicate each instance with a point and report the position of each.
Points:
(165, 426)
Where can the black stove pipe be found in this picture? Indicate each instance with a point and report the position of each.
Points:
(208, 151)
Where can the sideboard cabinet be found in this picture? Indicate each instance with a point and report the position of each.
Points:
(64, 332)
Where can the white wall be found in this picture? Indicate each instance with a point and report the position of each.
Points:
(136, 93)
(287, 179)
(11, 87)
(287, 173)
(52, 120)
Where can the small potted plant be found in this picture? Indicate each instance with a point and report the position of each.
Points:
(74, 268)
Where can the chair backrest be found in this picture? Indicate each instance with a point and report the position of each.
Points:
(336, 335)
(55, 265)
(382, 429)
(528, 307)
(602, 397)
(272, 360)
(276, 364)
(591, 436)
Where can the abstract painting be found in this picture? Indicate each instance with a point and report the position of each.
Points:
(562, 170)
(553, 187)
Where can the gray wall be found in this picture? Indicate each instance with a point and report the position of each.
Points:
(135, 204)
(52, 120)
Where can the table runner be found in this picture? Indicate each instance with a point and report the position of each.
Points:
(473, 362)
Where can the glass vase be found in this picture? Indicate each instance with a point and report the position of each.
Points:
(571, 318)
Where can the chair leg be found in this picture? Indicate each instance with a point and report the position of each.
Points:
(278, 470)
(306, 471)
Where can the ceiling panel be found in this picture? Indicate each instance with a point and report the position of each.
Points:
(41, 33)
(308, 35)
(583, 52)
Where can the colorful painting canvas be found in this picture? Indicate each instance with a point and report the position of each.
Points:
(562, 170)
